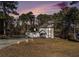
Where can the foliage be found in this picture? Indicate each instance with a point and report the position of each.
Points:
(65, 21)
(6, 8)
(44, 18)
(25, 18)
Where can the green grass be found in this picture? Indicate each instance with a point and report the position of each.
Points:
(43, 47)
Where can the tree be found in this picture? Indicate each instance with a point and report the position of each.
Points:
(7, 7)
(31, 19)
(25, 18)
(10, 25)
(69, 19)
(73, 2)
(21, 25)
(66, 19)
(43, 18)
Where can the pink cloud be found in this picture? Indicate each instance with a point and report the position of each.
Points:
(62, 5)
(43, 9)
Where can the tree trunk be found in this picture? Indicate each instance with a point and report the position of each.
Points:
(1, 27)
(4, 12)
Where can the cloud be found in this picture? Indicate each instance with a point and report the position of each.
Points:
(43, 9)
(62, 5)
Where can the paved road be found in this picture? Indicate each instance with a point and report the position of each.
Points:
(7, 42)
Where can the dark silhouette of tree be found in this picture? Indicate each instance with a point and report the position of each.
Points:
(68, 20)
(25, 18)
(43, 18)
(65, 20)
(7, 7)
(73, 2)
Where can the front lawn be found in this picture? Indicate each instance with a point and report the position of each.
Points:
(42, 47)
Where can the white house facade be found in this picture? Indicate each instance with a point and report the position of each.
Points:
(45, 31)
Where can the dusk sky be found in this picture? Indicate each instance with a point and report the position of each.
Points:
(39, 7)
